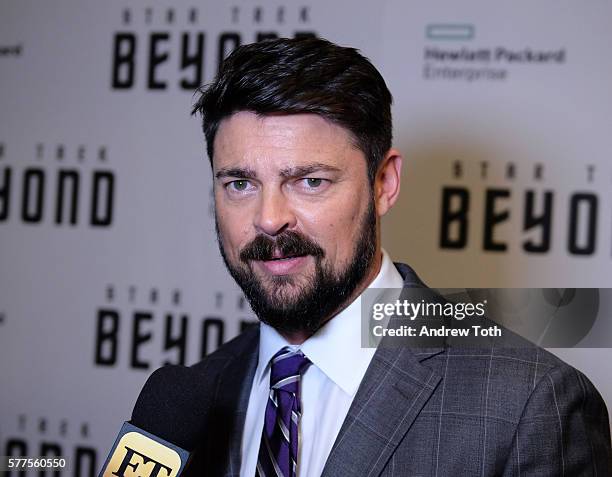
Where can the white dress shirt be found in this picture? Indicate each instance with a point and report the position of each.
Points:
(327, 388)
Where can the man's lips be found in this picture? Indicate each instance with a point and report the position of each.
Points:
(279, 256)
(282, 265)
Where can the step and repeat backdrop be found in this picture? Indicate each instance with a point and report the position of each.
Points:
(109, 266)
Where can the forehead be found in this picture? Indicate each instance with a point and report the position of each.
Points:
(281, 139)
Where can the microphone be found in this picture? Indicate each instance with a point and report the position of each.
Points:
(167, 421)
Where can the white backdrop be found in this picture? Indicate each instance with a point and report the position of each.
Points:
(108, 261)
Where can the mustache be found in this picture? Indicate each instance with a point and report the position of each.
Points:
(288, 243)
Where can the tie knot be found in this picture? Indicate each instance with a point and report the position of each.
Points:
(286, 369)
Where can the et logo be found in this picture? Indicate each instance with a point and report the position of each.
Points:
(136, 453)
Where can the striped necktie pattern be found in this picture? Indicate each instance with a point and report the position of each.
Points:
(278, 450)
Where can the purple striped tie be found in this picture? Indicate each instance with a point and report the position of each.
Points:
(278, 450)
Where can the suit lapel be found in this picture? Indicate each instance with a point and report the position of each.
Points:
(392, 393)
(394, 389)
(231, 404)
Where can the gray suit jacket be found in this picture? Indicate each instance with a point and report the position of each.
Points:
(438, 411)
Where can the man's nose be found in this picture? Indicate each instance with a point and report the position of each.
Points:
(275, 213)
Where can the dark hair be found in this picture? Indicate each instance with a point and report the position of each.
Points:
(305, 75)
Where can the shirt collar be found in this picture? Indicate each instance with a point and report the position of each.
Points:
(336, 348)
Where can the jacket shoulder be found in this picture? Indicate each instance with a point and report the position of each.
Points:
(245, 343)
(505, 383)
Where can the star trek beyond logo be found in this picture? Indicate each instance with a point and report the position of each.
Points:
(13, 50)
(545, 215)
(63, 185)
(170, 48)
(451, 53)
(144, 328)
(50, 437)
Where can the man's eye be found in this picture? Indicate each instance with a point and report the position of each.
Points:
(239, 185)
(313, 182)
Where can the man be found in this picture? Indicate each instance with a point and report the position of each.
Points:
(299, 137)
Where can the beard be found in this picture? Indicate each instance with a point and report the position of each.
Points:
(294, 304)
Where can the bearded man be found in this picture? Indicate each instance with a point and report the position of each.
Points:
(299, 139)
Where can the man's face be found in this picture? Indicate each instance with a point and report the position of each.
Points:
(295, 215)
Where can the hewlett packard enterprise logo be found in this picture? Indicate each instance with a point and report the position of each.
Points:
(452, 52)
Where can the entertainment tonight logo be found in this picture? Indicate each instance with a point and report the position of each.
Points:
(137, 453)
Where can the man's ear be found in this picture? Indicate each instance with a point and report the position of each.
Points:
(387, 181)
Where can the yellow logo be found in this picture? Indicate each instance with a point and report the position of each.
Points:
(139, 456)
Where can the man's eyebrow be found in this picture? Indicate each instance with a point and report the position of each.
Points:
(238, 172)
(298, 171)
